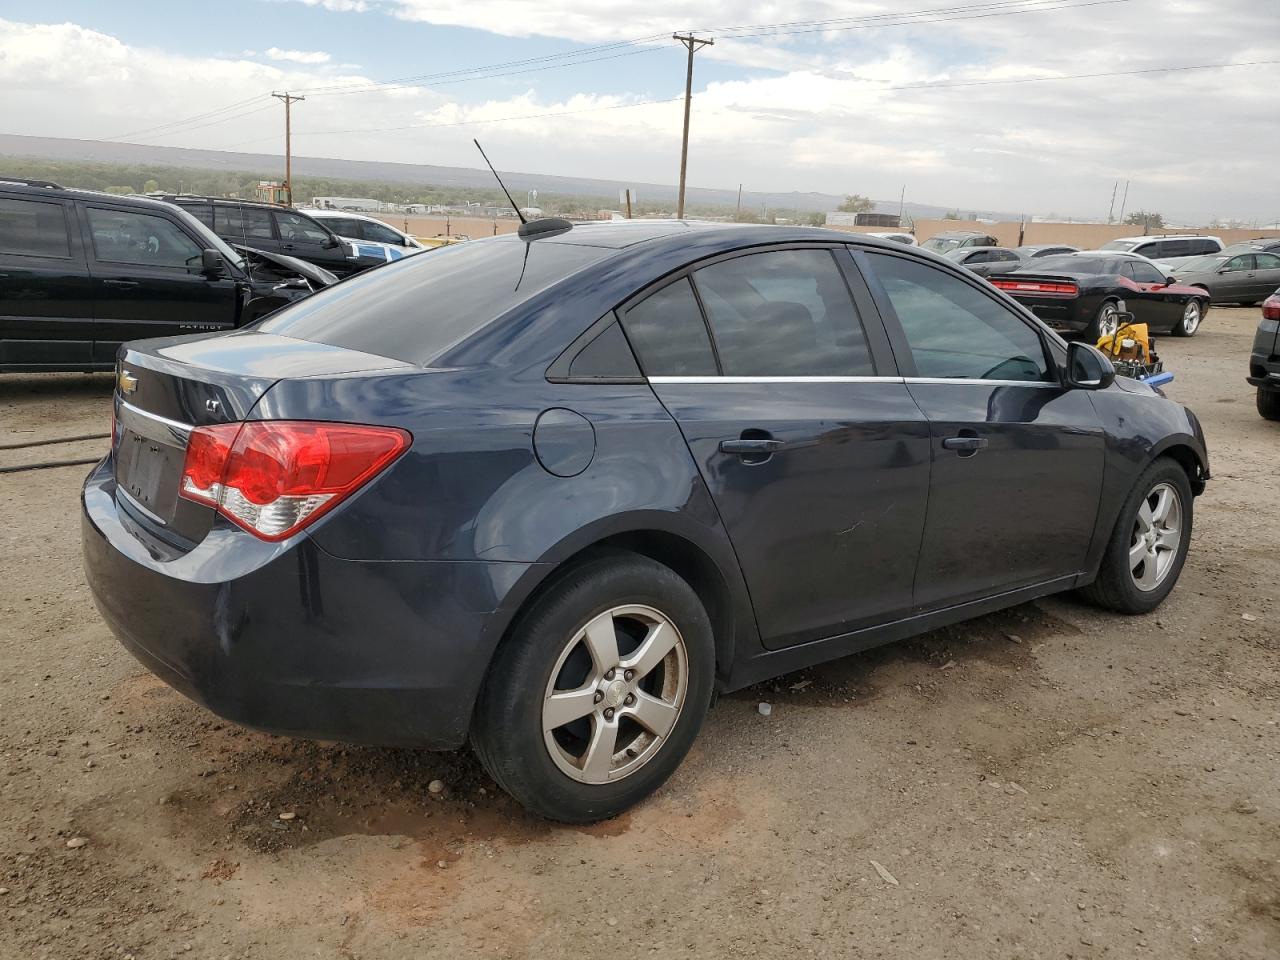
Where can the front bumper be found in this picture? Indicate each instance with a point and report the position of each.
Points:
(290, 639)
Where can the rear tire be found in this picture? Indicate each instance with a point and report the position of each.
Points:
(1148, 547)
(1105, 322)
(1269, 404)
(589, 660)
(1192, 317)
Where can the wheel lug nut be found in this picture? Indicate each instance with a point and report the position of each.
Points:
(610, 675)
(599, 696)
(608, 714)
(629, 675)
(631, 698)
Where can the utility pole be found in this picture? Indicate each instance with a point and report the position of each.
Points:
(1124, 202)
(737, 211)
(692, 43)
(902, 204)
(288, 100)
(1112, 208)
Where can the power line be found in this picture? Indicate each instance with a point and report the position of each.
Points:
(1078, 76)
(146, 131)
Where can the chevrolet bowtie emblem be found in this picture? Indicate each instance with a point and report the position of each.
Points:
(127, 382)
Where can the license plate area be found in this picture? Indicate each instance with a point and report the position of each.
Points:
(149, 456)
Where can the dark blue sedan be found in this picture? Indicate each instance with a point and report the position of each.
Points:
(548, 493)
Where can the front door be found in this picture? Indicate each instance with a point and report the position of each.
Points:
(303, 238)
(1017, 459)
(46, 307)
(813, 450)
(147, 280)
(1161, 308)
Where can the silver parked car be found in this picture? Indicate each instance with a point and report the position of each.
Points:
(1239, 278)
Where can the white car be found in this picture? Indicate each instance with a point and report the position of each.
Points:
(369, 235)
(1169, 251)
(905, 238)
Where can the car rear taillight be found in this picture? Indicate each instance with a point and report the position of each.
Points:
(1048, 287)
(273, 477)
(1271, 308)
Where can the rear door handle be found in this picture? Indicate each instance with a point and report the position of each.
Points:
(971, 444)
(121, 283)
(751, 446)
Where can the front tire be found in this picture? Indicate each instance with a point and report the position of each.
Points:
(1148, 547)
(1105, 322)
(1192, 315)
(597, 695)
(1269, 404)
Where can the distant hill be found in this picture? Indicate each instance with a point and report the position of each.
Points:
(57, 148)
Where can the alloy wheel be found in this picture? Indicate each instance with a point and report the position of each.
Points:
(1109, 322)
(615, 694)
(1191, 318)
(1157, 535)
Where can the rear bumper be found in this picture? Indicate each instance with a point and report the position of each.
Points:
(292, 640)
(1061, 315)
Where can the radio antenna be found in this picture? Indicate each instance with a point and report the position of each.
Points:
(500, 183)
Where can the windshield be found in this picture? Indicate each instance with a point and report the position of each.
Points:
(210, 239)
(418, 308)
(1070, 264)
(1120, 245)
(1203, 264)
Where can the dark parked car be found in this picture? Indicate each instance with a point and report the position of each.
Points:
(1081, 293)
(550, 492)
(984, 261)
(276, 229)
(952, 239)
(81, 272)
(1264, 364)
(1232, 278)
(1032, 251)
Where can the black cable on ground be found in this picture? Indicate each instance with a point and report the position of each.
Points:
(49, 465)
(45, 443)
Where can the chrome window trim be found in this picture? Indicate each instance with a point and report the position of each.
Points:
(152, 425)
(975, 380)
(775, 379)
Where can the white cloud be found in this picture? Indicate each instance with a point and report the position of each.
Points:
(297, 56)
(823, 117)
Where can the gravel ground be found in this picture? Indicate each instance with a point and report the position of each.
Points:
(1051, 781)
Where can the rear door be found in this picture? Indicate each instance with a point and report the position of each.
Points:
(251, 226)
(46, 301)
(810, 444)
(147, 280)
(1267, 270)
(1016, 458)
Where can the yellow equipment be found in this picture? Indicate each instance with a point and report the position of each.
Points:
(1130, 342)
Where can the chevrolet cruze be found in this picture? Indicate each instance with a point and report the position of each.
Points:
(549, 492)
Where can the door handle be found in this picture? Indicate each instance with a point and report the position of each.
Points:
(752, 449)
(121, 283)
(967, 444)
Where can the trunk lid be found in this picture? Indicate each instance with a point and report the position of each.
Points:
(166, 388)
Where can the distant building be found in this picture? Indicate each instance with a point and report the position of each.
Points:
(840, 218)
(351, 203)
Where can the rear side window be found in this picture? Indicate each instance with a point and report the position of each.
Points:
(123, 236)
(956, 331)
(1205, 246)
(241, 223)
(783, 313)
(1267, 261)
(32, 228)
(668, 334)
(419, 307)
(1174, 248)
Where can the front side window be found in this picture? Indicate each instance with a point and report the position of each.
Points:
(668, 334)
(242, 224)
(295, 228)
(123, 236)
(33, 228)
(954, 330)
(1243, 262)
(1145, 272)
(783, 313)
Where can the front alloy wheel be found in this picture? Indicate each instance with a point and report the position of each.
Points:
(615, 694)
(1192, 314)
(1157, 536)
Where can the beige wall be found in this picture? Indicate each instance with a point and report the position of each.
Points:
(1087, 236)
(473, 227)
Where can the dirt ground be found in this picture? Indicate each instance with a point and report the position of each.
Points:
(1051, 781)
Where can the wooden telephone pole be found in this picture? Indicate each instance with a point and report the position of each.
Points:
(692, 43)
(288, 100)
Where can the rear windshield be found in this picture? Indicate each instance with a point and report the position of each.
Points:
(417, 308)
(1069, 264)
(1120, 244)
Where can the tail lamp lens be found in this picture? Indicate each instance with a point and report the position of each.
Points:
(273, 477)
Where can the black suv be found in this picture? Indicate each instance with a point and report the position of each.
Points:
(81, 272)
(275, 229)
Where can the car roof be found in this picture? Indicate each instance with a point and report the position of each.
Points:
(1167, 236)
(621, 234)
(960, 233)
(53, 190)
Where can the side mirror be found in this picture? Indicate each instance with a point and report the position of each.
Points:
(333, 242)
(1170, 281)
(212, 264)
(1088, 368)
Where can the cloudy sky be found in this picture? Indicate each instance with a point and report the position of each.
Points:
(973, 103)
